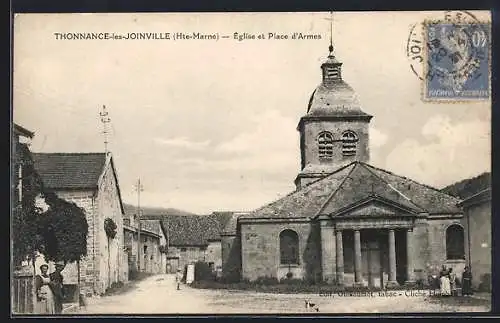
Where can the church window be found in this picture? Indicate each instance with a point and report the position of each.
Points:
(455, 242)
(349, 142)
(289, 247)
(325, 145)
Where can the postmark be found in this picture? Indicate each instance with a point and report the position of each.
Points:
(451, 57)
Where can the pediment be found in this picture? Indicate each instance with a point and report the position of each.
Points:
(374, 206)
(373, 210)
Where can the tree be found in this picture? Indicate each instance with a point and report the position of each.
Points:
(26, 236)
(58, 233)
(64, 229)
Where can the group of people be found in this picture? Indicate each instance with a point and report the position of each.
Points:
(49, 290)
(448, 282)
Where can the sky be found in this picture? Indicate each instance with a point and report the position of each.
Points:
(210, 125)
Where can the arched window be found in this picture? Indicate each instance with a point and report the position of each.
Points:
(289, 247)
(349, 142)
(455, 242)
(325, 145)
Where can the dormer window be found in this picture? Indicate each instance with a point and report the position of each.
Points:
(325, 145)
(349, 143)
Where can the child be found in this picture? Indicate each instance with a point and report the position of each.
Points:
(178, 278)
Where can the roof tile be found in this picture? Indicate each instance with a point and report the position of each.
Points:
(69, 170)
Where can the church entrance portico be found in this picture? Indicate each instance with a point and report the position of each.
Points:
(372, 256)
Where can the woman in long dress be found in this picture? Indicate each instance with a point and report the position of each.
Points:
(467, 282)
(444, 281)
(44, 294)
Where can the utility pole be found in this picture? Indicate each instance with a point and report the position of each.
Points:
(105, 119)
(139, 188)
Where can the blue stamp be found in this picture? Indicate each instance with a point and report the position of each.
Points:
(457, 61)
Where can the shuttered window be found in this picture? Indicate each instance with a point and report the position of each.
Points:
(325, 145)
(349, 143)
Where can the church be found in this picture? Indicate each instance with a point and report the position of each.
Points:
(347, 223)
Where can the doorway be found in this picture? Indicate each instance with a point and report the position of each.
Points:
(371, 258)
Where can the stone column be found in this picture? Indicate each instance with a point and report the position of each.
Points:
(357, 257)
(410, 277)
(340, 258)
(392, 259)
(328, 261)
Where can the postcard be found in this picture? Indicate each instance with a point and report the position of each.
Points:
(251, 163)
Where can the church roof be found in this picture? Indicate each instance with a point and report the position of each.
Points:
(354, 183)
(335, 99)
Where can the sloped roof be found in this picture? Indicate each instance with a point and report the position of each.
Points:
(427, 197)
(69, 170)
(305, 202)
(353, 183)
(73, 171)
(19, 130)
(483, 196)
(194, 230)
(153, 212)
(361, 184)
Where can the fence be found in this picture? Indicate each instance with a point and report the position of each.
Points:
(22, 293)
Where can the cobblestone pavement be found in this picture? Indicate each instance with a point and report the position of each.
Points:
(158, 295)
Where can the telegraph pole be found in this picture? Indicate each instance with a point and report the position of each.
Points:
(105, 119)
(139, 188)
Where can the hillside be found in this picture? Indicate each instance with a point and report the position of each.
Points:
(154, 211)
(468, 187)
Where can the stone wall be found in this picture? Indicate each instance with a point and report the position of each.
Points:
(480, 243)
(150, 256)
(187, 255)
(89, 277)
(260, 254)
(111, 258)
(436, 253)
(214, 255)
(231, 257)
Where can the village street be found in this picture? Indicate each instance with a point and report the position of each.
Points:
(158, 295)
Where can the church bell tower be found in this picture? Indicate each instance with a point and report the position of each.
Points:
(334, 131)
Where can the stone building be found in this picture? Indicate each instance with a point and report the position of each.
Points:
(152, 260)
(347, 222)
(477, 210)
(192, 238)
(90, 181)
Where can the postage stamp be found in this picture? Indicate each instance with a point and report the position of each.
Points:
(457, 61)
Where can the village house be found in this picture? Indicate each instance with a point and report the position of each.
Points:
(348, 222)
(477, 210)
(193, 238)
(153, 260)
(89, 180)
(475, 194)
